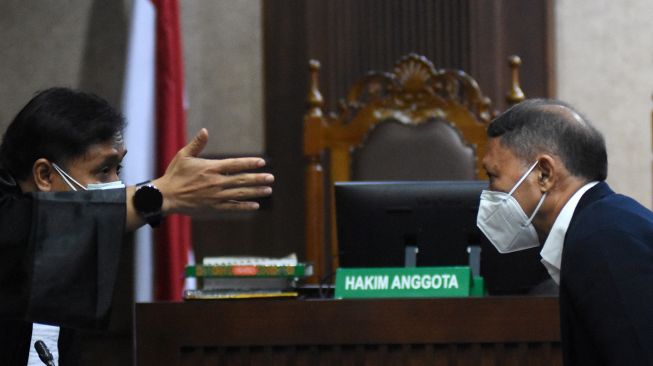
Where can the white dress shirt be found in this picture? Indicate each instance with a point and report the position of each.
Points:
(552, 250)
(49, 334)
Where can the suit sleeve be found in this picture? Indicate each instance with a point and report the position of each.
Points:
(610, 279)
(15, 215)
(74, 244)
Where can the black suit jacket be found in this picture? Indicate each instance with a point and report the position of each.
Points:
(606, 282)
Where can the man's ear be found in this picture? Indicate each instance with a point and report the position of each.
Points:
(42, 173)
(547, 172)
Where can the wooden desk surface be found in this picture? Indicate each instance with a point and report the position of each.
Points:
(490, 330)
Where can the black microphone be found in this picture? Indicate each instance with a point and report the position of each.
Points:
(44, 353)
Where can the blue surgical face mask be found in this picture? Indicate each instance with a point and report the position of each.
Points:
(109, 185)
(70, 181)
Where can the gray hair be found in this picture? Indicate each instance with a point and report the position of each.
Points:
(550, 126)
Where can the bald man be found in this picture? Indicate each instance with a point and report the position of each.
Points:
(547, 167)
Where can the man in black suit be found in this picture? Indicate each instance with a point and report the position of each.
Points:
(547, 167)
(64, 210)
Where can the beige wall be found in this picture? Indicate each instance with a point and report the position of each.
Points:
(605, 68)
(223, 54)
(82, 44)
(77, 43)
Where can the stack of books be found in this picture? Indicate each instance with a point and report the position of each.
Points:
(246, 277)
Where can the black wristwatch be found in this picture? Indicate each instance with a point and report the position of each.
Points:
(148, 201)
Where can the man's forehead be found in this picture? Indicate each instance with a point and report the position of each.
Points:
(104, 150)
(498, 155)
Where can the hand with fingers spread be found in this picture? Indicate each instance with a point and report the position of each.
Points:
(200, 187)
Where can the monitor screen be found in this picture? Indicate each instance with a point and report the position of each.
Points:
(376, 221)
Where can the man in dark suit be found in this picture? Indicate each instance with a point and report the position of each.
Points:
(547, 167)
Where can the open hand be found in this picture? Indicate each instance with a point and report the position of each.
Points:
(199, 187)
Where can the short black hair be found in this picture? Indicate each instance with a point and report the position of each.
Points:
(58, 124)
(547, 125)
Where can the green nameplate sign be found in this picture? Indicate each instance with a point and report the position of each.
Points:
(359, 283)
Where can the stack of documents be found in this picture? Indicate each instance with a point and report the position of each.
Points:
(246, 277)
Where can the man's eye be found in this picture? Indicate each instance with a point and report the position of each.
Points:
(109, 169)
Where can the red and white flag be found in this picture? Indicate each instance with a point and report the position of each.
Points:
(173, 238)
(138, 105)
(153, 103)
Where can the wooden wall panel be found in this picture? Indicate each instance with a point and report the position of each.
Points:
(351, 38)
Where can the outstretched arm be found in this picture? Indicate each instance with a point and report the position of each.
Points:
(200, 187)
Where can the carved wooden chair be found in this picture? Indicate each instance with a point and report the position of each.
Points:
(414, 123)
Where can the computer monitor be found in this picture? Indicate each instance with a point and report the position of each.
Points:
(376, 221)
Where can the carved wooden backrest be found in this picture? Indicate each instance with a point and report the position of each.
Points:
(414, 96)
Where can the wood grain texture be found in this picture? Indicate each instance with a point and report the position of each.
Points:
(462, 331)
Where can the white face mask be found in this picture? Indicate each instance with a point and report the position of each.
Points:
(504, 222)
(91, 186)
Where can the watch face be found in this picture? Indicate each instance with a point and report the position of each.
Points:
(148, 199)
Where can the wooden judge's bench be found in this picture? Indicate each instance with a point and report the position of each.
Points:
(454, 331)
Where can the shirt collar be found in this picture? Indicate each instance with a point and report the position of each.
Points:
(552, 250)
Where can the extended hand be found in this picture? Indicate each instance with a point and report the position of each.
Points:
(198, 187)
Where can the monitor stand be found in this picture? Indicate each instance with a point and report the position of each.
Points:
(410, 256)
(474, 252)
